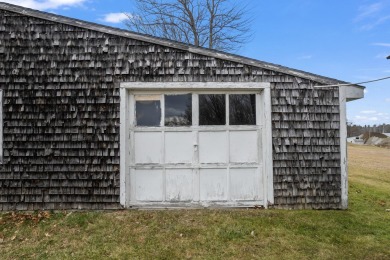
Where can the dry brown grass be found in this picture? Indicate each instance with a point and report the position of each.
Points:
(369, 165)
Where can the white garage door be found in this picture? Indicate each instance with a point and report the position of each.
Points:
(195, 148)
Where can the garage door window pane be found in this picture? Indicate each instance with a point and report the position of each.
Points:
(212, 109)
(178, 110)
(242, 109)
(148, 111)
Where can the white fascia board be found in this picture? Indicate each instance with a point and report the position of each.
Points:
(353, 93)
(231, 86)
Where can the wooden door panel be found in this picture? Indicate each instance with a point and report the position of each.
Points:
(213, 147)
(179, 185)
(149, 184)
(148, 147)
(213, 184)
(179, 147)
(245, 184)
(243, 146)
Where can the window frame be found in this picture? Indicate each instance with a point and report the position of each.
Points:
(165, 105)
(196, 106)
(250, 100)
(142, 98)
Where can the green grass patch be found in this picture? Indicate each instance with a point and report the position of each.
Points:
(361, 232)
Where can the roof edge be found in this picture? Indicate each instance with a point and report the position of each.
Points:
(168, 43)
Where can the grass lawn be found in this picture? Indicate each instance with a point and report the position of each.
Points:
(361, 232)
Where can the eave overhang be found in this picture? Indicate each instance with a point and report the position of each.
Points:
(354, 92)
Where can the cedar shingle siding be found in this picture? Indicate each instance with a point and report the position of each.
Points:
(61, 116)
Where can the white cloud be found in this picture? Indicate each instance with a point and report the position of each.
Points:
(372, 15)
(365, 91)
(115, 17)
(368, 112)
(366, 118)
(387, 99)
(371, 116)
(369, 10)
(383, 44)
(382, 114)
(46, 4)
(377, 22)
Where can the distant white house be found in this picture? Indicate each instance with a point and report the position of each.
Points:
(356, 139)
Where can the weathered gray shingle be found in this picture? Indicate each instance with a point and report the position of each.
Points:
(61, 116)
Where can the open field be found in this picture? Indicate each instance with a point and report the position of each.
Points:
(362, 232)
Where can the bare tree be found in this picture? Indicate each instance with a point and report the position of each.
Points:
(217, 24)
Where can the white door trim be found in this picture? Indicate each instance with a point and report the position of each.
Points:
(231, 87)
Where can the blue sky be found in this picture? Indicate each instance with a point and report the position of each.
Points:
(347, 40)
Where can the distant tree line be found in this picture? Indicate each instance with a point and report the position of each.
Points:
(356, 130)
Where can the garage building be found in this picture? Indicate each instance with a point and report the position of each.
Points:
(95, 117)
